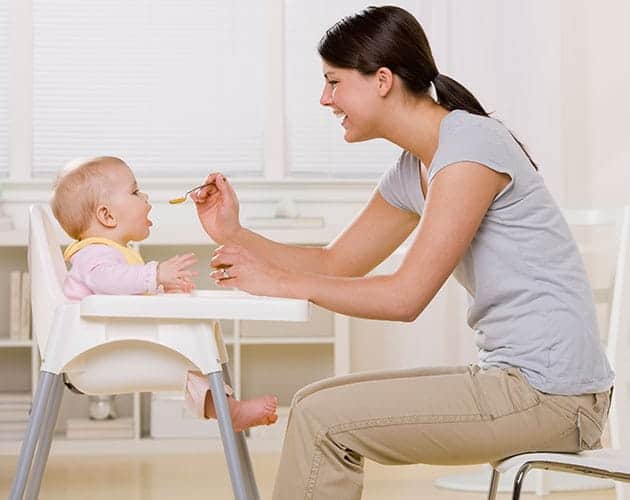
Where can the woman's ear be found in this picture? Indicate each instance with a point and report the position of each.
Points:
(385, 80)
(105, 216)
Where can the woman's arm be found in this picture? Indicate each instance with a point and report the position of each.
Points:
(457, 200)
(368, 240)
(374, 234)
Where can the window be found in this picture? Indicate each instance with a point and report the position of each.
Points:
(314, 138)
(174, 87)
(180, 88)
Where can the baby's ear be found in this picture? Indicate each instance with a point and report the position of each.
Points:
(105, 216)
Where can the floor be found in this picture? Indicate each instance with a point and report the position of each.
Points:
(202, 477)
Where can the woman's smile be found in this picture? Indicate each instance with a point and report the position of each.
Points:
(342, 117)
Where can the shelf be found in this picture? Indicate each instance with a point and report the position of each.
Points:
(4, 342)
(286, 340)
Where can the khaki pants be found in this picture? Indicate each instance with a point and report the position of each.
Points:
(432, 416)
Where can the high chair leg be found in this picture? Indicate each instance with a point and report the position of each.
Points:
(33, 432)
(228, 436)
(245, 459)
(43, 448)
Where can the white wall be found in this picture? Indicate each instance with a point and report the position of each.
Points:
(440, 335)
(600, 56)
(557, 73)
(508, 54)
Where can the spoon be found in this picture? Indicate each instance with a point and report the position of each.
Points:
(182, 199)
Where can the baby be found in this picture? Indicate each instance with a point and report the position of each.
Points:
(98, 203)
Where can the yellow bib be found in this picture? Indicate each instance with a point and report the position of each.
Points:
(131, 256)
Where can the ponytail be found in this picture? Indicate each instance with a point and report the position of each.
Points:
(391, 37)
(453, 95)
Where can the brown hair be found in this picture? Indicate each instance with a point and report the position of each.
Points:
(391, 37)
(78, 189)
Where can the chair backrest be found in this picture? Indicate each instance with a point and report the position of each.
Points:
(619, 339)
(616, 295)
(47, 271)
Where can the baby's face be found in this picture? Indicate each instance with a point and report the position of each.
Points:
(129, 205)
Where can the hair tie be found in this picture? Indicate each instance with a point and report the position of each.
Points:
(432, 91)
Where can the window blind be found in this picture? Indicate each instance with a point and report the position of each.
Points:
(175, 88)
(4, 101)
(315, 144)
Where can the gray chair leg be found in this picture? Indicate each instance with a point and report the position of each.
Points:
(230, 446)
(252, 488)
(45, 441)
(518, 481)
(494, 485)
(38, 412)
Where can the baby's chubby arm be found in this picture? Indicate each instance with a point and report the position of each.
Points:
(104, 270)
(173, 273)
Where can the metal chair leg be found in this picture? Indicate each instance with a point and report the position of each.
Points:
(246, 461)
(230, 446)
(43, 448)
(494, 484)
(33, 432)
(518, 481)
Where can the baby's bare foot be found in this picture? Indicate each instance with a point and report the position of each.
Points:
(253, 412)
(247, 413)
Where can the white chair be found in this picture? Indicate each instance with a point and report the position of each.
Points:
(612, 463)
(124, 344)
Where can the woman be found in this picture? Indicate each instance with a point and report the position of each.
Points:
(484, 213)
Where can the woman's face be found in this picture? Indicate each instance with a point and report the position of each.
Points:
(353, 98)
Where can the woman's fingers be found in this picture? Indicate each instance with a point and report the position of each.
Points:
(225, 259)
(229, 250)
(225, 274)
(224, 185)
(202, 194)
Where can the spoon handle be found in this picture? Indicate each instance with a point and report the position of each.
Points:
(198, 187)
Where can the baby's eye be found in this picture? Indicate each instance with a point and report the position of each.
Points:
(136, 191)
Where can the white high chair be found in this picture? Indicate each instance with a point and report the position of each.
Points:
(612, 463)
(124, 344)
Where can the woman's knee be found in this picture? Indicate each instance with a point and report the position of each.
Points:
(316, 387)
(313, 409)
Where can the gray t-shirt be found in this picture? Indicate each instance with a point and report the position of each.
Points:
(531, 306)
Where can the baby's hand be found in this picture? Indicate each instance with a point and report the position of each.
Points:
(173, 275)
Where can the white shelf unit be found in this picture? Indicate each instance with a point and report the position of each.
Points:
(265, 357)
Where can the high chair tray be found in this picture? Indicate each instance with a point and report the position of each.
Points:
(200, 304)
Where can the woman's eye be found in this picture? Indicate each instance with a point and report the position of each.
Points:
(136, 191)
(333, 83)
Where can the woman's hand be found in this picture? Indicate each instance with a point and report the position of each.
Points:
(235, 266)
(217, 208)
(173, 274)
